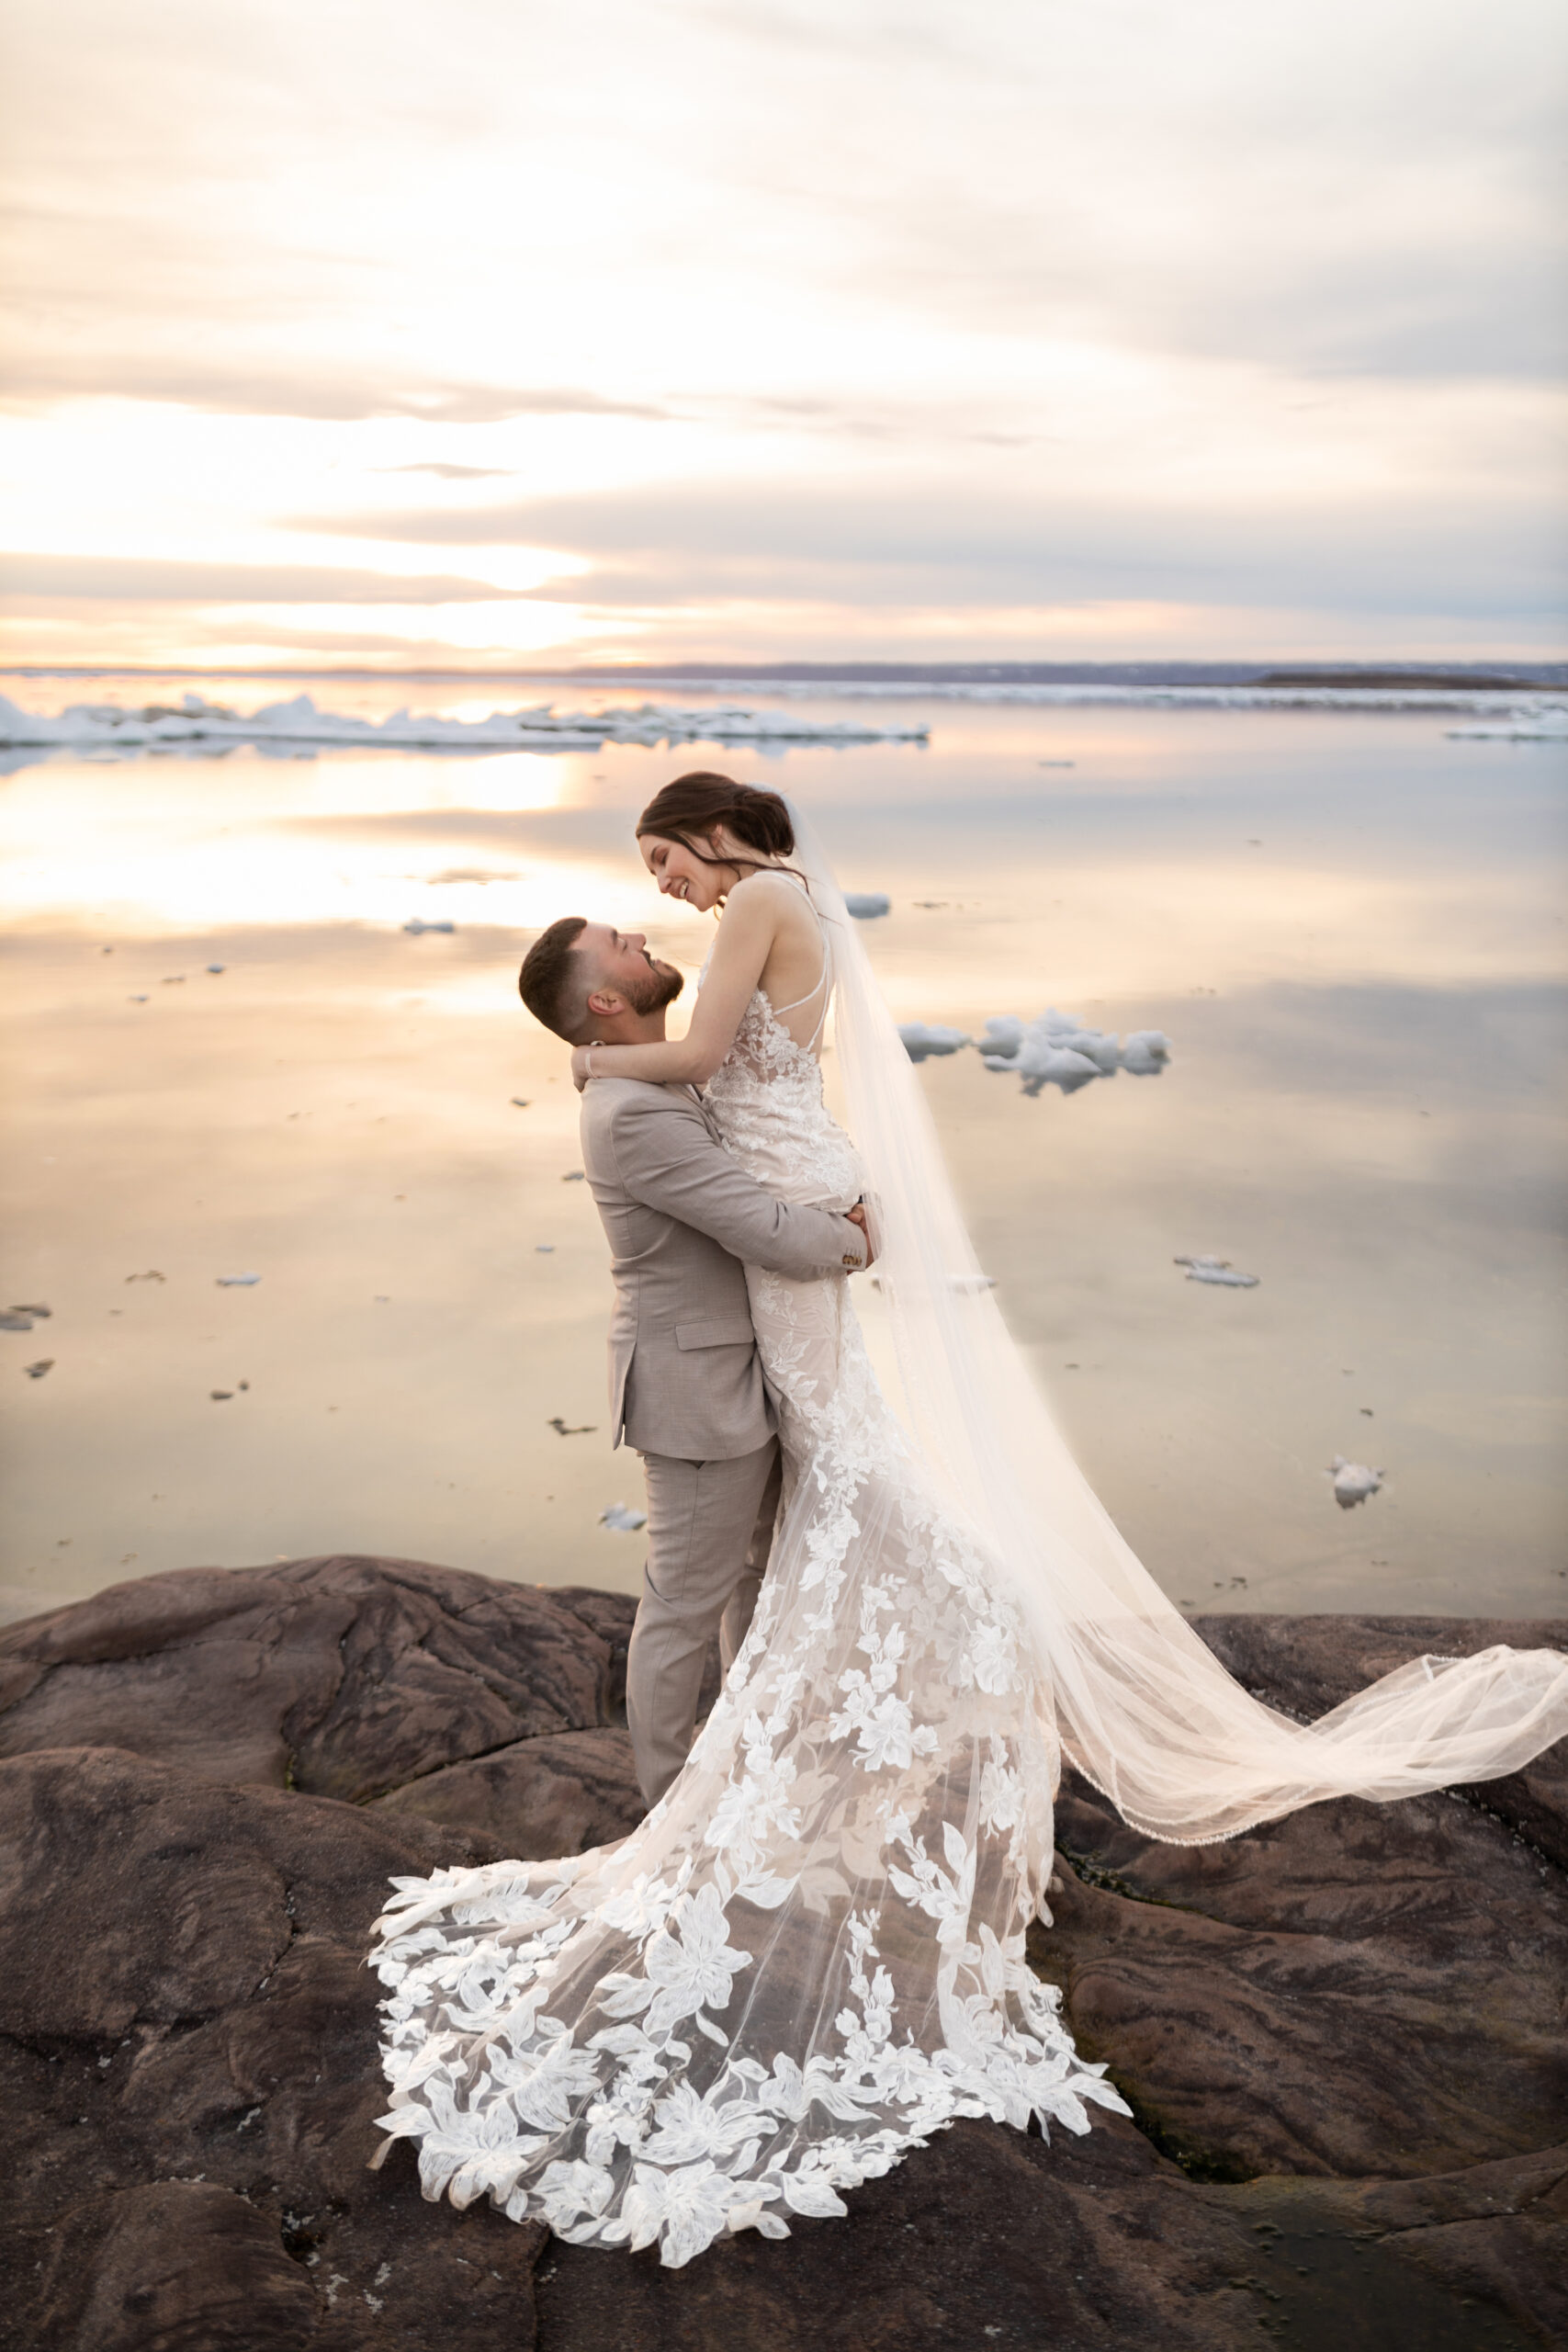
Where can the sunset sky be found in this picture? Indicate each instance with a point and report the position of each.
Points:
(486, 333)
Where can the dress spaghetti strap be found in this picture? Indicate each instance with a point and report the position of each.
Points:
(821, 982)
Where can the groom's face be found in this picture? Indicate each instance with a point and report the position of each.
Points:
(620, 966)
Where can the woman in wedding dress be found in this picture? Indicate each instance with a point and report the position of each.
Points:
(810, 1954)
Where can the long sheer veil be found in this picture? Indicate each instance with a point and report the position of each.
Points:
(1142, 1707)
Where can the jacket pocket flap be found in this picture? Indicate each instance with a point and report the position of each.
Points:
(722, 1331)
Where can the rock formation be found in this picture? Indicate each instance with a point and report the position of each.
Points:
(1341, 2036)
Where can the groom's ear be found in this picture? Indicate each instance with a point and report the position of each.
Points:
(605, 1003)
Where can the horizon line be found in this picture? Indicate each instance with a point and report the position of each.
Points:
(1529, 670)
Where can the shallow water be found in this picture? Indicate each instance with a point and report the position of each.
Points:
(1348, 924)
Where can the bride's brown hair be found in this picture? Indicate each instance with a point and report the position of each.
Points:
(759, 820)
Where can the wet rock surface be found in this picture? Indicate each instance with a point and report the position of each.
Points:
(1342, 2035)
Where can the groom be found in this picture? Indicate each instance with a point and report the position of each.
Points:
(687, 1382)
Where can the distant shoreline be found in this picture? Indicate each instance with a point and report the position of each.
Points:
(1477, 677)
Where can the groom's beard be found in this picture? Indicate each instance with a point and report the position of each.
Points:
(662, 987)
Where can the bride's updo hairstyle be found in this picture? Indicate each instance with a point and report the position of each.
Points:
(694, 804)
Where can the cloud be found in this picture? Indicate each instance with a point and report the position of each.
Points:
(324, 393)
(154, 579)
(1041, 284)
(990, 544)
(455, 473)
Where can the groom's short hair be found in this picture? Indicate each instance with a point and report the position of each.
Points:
(552, 983)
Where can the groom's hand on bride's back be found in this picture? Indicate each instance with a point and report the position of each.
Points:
(857, 1216)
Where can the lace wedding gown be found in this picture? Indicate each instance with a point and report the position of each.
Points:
(810, 1954)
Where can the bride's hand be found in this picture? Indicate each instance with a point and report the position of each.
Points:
(579, 1065)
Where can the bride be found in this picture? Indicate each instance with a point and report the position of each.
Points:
(810, 1954)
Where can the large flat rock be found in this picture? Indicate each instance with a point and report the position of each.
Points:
(341, 1677)
(190, 2076)
(1341, 2035)
(559, 1794)
(986, 2237)
(1356, 1990)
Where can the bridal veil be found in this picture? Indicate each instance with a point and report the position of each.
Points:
(1143, 1708)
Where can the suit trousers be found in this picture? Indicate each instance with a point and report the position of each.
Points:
(709, 1528)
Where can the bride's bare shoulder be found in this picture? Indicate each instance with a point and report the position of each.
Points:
(782, 899)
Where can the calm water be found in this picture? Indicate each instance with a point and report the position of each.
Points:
(1349, 925)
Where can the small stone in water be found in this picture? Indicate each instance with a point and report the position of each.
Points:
(37, 1371)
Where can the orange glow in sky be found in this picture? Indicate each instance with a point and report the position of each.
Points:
(486, 334)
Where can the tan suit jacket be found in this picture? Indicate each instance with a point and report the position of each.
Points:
(683, 1217)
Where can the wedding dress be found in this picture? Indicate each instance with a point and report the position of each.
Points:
(810, 1954)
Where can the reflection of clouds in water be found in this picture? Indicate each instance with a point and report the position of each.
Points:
(1057, 1049)
(1356, 998)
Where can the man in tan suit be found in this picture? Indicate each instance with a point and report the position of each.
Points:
(686, 1385)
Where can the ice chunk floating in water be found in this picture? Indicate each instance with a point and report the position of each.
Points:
(1549, 724)
(1058, 1049)
(1144, 1052)
(1353, 1482)
(923, 1038)
(623, 1520)
(865, 904)
(1216, 1269)
(106, 729)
